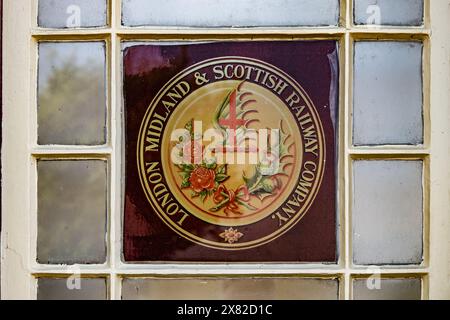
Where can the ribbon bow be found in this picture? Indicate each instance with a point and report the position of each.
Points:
(230, 200)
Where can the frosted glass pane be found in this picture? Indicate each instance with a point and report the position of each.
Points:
(387, 212)
(388, 93)
(72, 13)
(230, 13)
(390, 289)
(389, 12)
(58, 289)
(71, 93)
(71, 211)
(239, 289)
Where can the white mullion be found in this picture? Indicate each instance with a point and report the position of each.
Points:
(77, 34)
(217, 268)
(115, 292)
(407, 151)
(44, 151)
(197, 272)
(33, 185)
(202, 270)
(195, 32)
(370, 31)
(131, 33)
(69, 270)
(346, 147)
(116, 142)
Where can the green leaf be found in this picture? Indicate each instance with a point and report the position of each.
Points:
(246, 205)
(211, 165)
(267, 186)
(259, 185)
(222, 169)
(253, 181)
(188, 167)
(185, 175)
(221, 177)
(221, 205)
(220, 111)
(264, 188)
(261, 194)
(185, 184)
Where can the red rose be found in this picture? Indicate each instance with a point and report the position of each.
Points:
(202, 178)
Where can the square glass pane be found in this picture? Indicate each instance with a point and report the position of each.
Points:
(388, 289)
(230, 289)
(230, 13)
(388, 95)
(72, 13)
(71, 211)
(387, 212)
(72, 93)
(389, 12)
(229, 210)
(72, 289)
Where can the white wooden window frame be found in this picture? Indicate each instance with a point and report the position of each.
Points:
(21, 35)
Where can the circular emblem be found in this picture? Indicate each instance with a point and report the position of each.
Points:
(231, 153)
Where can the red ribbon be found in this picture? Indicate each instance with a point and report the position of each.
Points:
(232, 206)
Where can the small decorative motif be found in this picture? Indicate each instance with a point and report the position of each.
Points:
(231, 235)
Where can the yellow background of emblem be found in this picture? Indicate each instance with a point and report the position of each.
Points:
(201, 106)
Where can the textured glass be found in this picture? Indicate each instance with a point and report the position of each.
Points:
(71, 93)
(71, 289)
(387, 99)
(387, 212)
(389, 289)
(230, 13)
(71, 211)
(72, 13)
(389, 12)
(239, 289)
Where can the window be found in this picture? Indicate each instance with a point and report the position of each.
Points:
(79, 100)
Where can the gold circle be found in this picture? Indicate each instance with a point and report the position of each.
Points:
(201, 105)
(240, 245)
